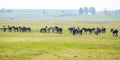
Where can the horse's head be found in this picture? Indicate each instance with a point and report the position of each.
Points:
(8, 26)
(19, 27)
(3, 26)
(111, 30)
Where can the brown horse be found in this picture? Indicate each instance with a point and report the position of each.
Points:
(43, 29)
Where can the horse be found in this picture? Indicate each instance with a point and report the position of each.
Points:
(43, 29)
(97, 31)
(15, 28)
(71, 29)
(24, 29)
(88, 30)
(58, 30)
(80, 31)
(28, 29)
(103, 30)
(75, 31)
(114, 32)
(50, 28)
(9, 28)
(4, 29)
(20, 28)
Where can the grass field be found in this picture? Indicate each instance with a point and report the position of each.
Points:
(52, 46)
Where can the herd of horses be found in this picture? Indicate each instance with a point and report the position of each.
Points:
(78, 30)
(16, 29)
(96, 31)
(52, 29)
(59, 30)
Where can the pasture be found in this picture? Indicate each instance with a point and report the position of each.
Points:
(51, 46)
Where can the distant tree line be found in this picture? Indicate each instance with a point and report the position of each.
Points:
(86, 11)
(5, 10)
(80, 11)
(111, 12)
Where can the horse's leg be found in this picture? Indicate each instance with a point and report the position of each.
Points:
(61, 32)
(113, 34)
(17, 29)
(30, 29)
(11, 30)
(80, 32)
(8, 30)
(14, 29)
(4, 29)
(48, 30)
(53, 30)
(40, 30)
(20, 30)
(45, 30)
(116, 34)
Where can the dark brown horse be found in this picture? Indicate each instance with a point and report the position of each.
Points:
(24, 29)
(43, 29)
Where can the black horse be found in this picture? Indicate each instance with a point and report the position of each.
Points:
(4, 29)
(90, 30)
(114, 32)
(103, 30)
(75, 31)
(10, 28)
(16, 29)
(58, 30)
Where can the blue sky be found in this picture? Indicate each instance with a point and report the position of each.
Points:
(59, 4)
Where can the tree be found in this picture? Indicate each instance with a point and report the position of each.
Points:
(85, 10)
(80, 11)
(92, 10)
(105, 11)
(44, 11)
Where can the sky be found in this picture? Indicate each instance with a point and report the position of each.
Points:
(60, 4)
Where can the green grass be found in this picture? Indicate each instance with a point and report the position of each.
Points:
(96, 17)
(52, 46)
